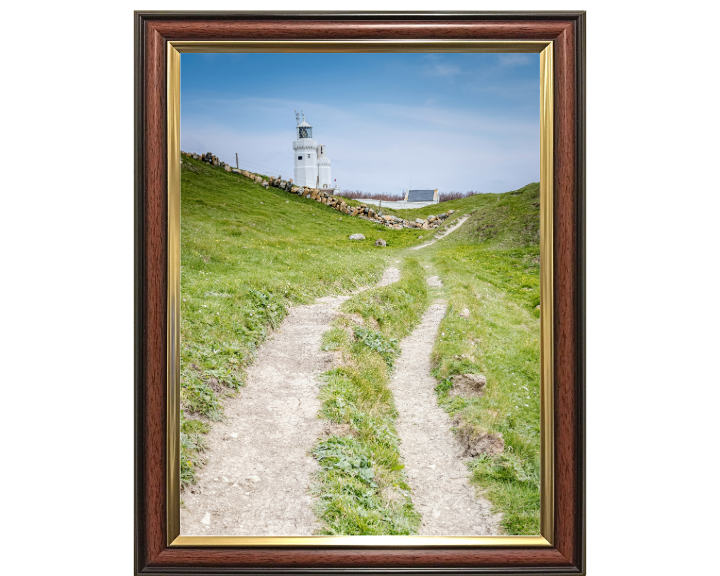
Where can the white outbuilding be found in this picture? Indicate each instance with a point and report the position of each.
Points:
(312, 166)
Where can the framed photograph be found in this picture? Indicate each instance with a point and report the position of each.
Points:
(360, 292)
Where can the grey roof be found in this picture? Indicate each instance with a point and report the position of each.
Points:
(421, 195)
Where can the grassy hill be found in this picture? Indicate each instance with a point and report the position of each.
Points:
(512, 216)
(248, 254)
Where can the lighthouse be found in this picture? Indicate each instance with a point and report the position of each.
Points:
(312, 166)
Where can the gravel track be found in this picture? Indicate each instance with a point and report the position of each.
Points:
(437, 474)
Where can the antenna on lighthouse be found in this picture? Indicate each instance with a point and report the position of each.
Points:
(297, 117)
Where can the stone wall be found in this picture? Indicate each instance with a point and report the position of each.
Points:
(337, 203)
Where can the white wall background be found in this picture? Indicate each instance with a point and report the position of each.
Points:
(67, 289)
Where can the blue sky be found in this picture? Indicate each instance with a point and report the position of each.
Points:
(455, 122)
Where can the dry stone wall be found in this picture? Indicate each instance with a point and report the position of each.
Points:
(318, 195)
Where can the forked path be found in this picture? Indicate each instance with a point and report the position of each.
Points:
(436, 472)
(258, 472)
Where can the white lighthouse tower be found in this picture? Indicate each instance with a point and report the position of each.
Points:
(324, 179)
(312, 166)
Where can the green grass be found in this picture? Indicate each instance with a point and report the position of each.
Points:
(361, 486)
(192, 444)
(490, 268)
(247, 254)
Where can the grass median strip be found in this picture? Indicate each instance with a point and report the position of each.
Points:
(361, 486)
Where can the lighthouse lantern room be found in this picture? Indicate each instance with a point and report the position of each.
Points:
(312, 166)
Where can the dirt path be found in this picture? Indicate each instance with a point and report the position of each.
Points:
(438, 236)
(390, 276)
(258, 470)
(436, 471)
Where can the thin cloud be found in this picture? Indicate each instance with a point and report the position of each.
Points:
(514, 59)
(436, 67)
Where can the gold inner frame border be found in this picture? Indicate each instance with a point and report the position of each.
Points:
(545, 49)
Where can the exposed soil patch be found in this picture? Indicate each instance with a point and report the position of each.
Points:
(334, 429)
(475, 442)
(467, 385)
(436, 472)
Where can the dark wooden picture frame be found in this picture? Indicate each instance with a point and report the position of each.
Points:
(153, 30)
